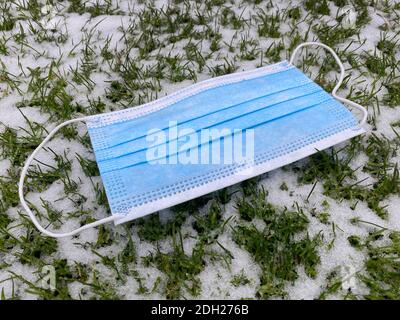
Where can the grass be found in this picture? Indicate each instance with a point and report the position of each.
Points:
(274, 247)
(52, 71)
(16, 148)
(240, 279)
(382, 268)
(339, 179)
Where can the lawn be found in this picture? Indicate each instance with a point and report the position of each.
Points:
(325, 227)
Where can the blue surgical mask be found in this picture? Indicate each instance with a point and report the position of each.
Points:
(211, 135)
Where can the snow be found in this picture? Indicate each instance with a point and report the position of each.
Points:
(215, 278)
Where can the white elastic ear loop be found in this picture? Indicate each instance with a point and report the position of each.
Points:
(21, 190)
(341, 77)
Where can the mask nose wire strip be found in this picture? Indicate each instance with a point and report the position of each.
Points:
(341, 77)
(21, 189)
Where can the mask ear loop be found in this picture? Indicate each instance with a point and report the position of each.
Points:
(341, 77)
(21, 190)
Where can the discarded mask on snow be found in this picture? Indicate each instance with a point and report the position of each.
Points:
(209, 136)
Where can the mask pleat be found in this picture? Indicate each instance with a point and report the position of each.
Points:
(271, 140)
(209, 121)
(211, 100)
(243, 122)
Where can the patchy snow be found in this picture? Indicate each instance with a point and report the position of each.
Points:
(216, 277)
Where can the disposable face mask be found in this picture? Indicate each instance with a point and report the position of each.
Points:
(209, 136)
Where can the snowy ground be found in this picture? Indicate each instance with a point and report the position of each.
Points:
(64, 59)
